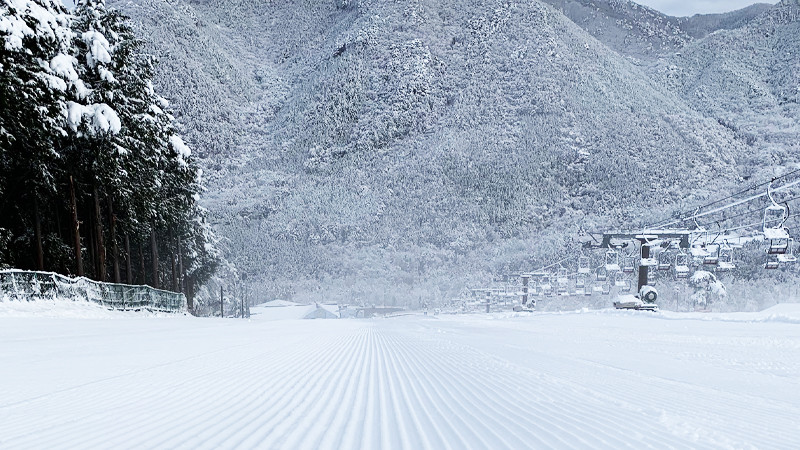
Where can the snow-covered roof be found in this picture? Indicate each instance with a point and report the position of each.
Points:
(277, 303)
(292, 311)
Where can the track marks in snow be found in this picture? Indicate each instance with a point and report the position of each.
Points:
(394, 384)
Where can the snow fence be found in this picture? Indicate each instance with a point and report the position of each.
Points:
(31, 286)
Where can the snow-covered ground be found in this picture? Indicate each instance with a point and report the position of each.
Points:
(588, 379)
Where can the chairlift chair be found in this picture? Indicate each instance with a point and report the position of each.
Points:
(778, 246)
(664, 261)
(712, 256)
(580, 280)
(628, 265)
(681, 265)
(587, 291)
(775, 216)
(789, 256)
(563, 276)
(619, 279)
(725, 259)
(612, 261)
(772, 262)
(601, 274)
(606, 289)
(627, 286)
(584, 265)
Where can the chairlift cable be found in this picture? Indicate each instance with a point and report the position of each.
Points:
(554, 264)
(755, 210)
(755, 186)
(730, 205)
(756, 224)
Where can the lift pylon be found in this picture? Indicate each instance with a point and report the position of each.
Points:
(645, 239)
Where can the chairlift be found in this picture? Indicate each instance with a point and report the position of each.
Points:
(606, 289)
(627, 286)
(778, 245)
(681, 265)
(775, 216)
(628, 265)
(580, 280)
(587, 291)
(563, 276)
(547, 288)
(601, 274)
(772, 262)
(789, 256)
(664, 261)
(584, 265)
(619, 279)
(712, 256)
(612, 261)
(725, 258)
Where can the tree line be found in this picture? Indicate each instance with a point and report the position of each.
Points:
(94, 178)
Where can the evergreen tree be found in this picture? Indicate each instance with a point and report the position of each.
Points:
(78, 113)
(36, 75)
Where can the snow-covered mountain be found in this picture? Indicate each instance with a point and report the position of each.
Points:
(642, 32)
(401, 148)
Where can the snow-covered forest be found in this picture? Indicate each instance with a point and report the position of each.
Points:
(381, 151)
(416, 224)
(403, 150)
(95, 178)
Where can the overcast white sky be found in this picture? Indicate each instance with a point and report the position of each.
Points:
(692, 7)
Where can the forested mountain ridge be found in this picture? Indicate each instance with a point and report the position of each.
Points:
(405, 147)
(641, 32)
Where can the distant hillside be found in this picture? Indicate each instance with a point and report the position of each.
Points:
(644, 33)
(748, 79)
(356, 147)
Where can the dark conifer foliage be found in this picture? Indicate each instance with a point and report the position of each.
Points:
(84, 135)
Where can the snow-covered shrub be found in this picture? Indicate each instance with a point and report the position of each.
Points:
(708, 289)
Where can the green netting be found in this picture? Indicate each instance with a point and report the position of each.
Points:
(31, 286)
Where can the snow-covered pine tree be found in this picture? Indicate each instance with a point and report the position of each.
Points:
(96, 157)
(78, 109)
(144, 167)
(36, 74)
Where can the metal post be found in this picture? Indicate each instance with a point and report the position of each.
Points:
(221, 303)
(525, 279)
(642, 268)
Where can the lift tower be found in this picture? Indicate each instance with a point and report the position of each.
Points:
(646, 239)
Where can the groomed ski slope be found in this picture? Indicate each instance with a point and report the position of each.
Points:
(601, 379)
